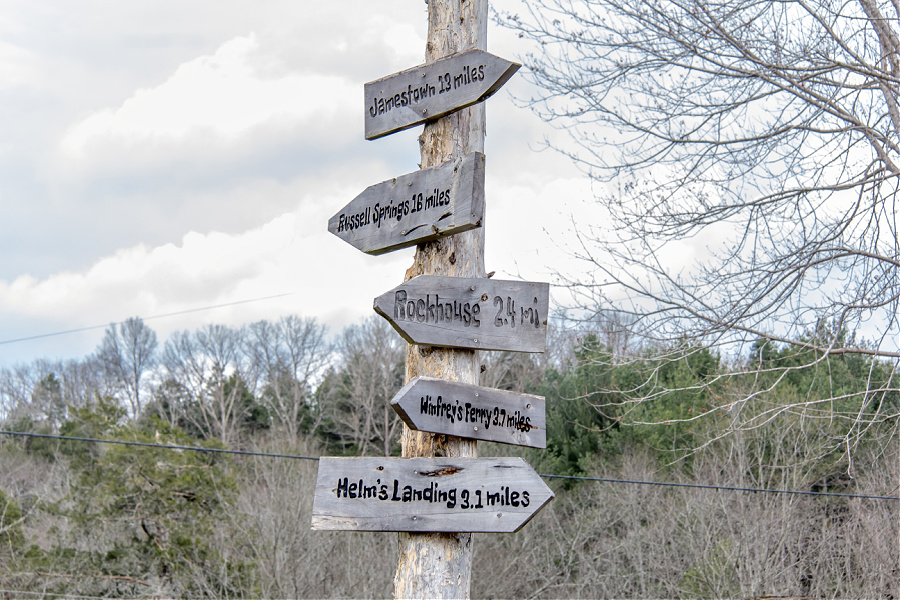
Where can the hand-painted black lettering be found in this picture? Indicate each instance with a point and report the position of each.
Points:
(420, 310)
(400, 305)
(498, 320)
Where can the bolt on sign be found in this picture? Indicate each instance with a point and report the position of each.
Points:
(497, 495)
(419, 207)
(471, 411)
(469, 312)
(432, 90)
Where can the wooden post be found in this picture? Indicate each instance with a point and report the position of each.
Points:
(439, 565)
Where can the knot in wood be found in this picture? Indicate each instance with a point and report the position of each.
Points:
(440, 472)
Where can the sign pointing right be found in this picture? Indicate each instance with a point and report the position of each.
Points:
(427, 494)
(432, 90)
(425, 205)
(469, 312)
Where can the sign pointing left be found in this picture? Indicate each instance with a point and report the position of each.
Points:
(471, 411)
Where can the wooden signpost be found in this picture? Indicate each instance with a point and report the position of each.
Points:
(414, 208)
(469, 312)
(432, 90)
(435, 503)
(453, 408)
(427, 494)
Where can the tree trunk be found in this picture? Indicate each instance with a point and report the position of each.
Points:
(439, 565)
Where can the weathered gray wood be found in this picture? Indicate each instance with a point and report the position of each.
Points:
(432, 90)
(427, 494)
(419, 207)
(439, 565)
(468, 312)
(471, 411)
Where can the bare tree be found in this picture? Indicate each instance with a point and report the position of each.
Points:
(356, 395)
(289, 356)
(16, 385)
(127, 353)
(207, 368)
(83, 380)
(45, 389)
(763, 137)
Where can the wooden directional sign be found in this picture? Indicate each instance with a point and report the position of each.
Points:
(466, 312)
(432, 90)
(470, 411)
(427, 494)
(415, 208)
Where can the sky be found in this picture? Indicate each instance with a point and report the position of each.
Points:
(162, 157)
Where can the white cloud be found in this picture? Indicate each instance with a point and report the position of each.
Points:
(218, 98)
(404, 39)
(16, 66)
(291, 254)
(236, 149)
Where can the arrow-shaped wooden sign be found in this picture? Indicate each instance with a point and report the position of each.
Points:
(432, 90)
(427, 494)
(466, 312)
(471, 411)
(414, 208)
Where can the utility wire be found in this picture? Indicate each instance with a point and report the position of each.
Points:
(720, 487)
(171, 314)
(44, 594)
(148, 445)
(571, 477)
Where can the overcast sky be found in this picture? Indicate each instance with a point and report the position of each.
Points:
(162, 156)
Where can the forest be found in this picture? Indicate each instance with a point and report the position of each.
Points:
(722, 390)
(101, 520)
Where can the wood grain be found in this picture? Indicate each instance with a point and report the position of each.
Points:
(467, 312)
(439, 565)
(432, 90)
(497, 495)
(418, 207)
(447, 407)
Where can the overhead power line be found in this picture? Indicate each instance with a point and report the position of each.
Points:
(46, 594)
(572, 477)
(163, 446)
(724, 488)
(171, 314)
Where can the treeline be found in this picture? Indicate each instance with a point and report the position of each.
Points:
(103, 520)
(225, 383)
